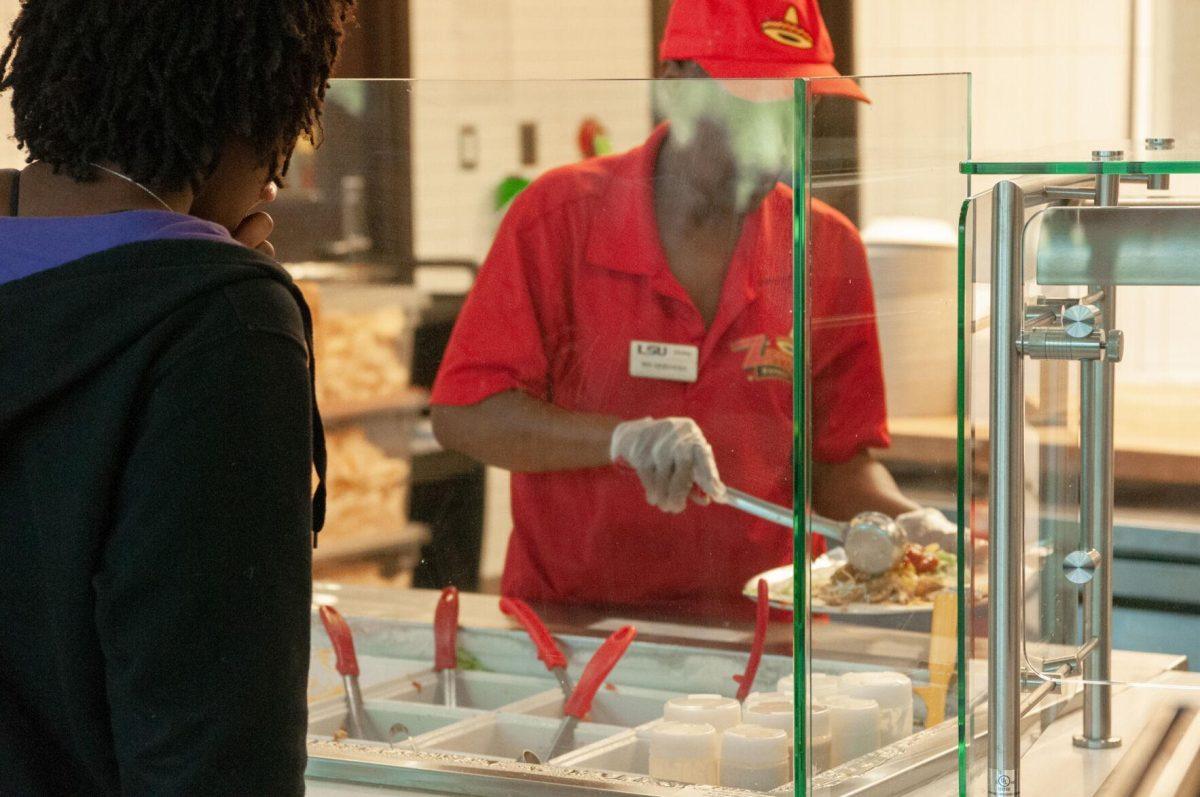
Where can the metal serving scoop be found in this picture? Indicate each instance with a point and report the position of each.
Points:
(872, 540)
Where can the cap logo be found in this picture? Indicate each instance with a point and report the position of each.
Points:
(788, 31)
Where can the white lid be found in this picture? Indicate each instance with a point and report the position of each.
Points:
(755, 746)
(719, 712)
(770, 714)
(819, 717)
(910, 231)
(854, 705)
(873, 677)
(754, 697)
(889, 689)
(822, 684)
(684, 740)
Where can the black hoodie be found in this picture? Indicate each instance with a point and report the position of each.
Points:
(157, 428)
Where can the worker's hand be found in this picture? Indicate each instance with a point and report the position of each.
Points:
(926, 526)
(671, 456)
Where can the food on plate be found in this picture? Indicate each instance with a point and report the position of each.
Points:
(922, 571)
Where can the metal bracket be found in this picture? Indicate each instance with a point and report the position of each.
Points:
(1048, 343)
(1031, 679)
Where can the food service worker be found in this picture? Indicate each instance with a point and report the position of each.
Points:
(631, 328)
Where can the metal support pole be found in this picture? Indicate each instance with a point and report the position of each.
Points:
(1096, 511)
(1006, 494)
(1096, 499)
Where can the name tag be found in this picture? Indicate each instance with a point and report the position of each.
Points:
(671, 361)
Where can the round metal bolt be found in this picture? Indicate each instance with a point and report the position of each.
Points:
(1108, 155)
(1079, 320)
(1080, 566)
(1160, 143)
(1114, 346)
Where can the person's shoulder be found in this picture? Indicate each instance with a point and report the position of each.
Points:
(266, 305)
(233, 290)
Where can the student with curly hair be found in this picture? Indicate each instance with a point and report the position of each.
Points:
(158, 429)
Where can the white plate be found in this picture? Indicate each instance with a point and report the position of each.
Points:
(823, 567)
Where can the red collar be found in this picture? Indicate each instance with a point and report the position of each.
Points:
(624, 234)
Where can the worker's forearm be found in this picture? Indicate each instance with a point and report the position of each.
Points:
(514, 431)
(842, 490)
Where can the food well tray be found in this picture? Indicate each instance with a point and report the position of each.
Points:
(512, 704)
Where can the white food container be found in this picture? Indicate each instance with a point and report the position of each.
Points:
(821, 684)
(820, 738)
(854, 727)
(719, 712)
(685, 752)
(755, 758)
(893, 692)
(778, 714)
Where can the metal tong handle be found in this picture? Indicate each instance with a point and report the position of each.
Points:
(360, 726)
(580, 702)
(830, 529)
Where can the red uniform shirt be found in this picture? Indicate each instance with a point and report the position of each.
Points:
(576, 273)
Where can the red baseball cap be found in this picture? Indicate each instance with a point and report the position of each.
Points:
(756, 39)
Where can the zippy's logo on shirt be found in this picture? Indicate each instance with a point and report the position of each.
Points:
(766, 357)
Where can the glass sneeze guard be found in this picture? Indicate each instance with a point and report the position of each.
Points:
(1151, 156)
(836, 332)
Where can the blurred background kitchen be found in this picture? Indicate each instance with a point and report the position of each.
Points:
(412, 182)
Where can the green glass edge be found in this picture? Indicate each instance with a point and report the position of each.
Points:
(961, 505)
(800, 433)
(1080, 167)
(964, 332)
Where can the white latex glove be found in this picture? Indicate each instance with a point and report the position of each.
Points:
(670, 455)
(926, 526)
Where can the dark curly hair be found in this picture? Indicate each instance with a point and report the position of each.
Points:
(159, 86)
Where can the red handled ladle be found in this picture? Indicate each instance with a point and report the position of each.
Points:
(445, 645)
(547, 649)
(580, 701)
(761, 615)
(360, 725)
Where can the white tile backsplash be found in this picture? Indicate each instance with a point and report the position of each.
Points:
(545, 42)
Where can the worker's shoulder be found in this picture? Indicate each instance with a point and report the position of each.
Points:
(581, 185)
(828, 220)
(824, 219)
